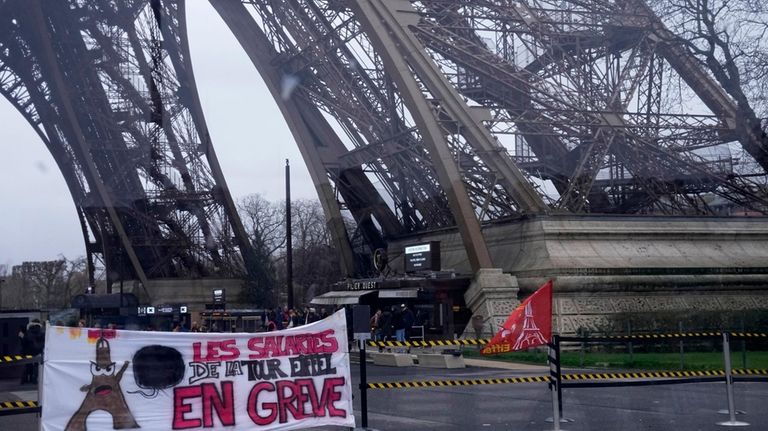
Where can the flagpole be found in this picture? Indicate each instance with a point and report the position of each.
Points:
(553, 358)
(522, 331)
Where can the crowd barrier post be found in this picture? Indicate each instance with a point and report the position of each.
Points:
(363, 387)
(630, 346)
(40, 377)
(556, 341)
(559, 373)
(732, 422)
(563, 419)
(682, 347)
(554, 384)
(743, 346)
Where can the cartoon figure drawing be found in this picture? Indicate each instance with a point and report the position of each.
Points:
(104, 393)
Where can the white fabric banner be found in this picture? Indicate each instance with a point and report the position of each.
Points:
(105, 379)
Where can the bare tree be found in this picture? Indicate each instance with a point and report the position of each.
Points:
(316, 261)
(728, 38)
(45, 285)
(4, 274)
(42, 279)
(75, 282)
(264, 222)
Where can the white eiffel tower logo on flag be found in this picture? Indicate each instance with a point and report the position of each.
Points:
(531, 334)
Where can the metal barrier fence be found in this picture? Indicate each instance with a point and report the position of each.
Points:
(607, 338)
(557, 380)
(8, 408)
(633, 379)
(15, 359)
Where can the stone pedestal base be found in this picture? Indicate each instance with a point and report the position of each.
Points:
(192, 293)
(492, 295)
(603, 312)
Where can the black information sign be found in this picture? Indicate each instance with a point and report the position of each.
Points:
(162, 310)
(422, 257)
(219, 296)
(362, 285)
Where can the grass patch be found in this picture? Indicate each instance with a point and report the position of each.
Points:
(639, 361)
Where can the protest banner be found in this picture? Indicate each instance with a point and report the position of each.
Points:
(98, 379)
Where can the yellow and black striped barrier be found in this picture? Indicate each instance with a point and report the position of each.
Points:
(749, 335)
(18, 404)
(431, 343)
(662, 336)
(464, 382)
(645, 375)
(484, 341)
(679, 335)
(8, 359)
(18, 407)
(750, 372)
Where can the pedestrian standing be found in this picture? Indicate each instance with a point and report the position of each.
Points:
(398, 324)
(375, 328)
(271, 325)
(293, 319)
(385, 323)
(34, 344)
(408, 319)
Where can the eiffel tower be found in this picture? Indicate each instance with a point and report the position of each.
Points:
(531, 335)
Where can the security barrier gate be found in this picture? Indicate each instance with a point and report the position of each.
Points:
(557, 380)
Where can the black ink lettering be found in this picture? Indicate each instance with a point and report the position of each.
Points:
(233, 368)
(265, 369)
(203, 370)
(311, 365)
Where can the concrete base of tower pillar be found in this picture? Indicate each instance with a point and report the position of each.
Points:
(195, 293)
(491, 296)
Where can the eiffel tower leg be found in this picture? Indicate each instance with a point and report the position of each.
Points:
(492, 295)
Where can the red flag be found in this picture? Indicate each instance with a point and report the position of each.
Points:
(529, 325)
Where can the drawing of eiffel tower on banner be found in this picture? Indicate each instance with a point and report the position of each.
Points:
(531, 334)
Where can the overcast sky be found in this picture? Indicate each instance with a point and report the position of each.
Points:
(37, 218)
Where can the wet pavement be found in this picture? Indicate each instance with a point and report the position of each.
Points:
(521, 407)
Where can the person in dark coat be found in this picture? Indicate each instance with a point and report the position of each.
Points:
(385, 323)
(408, 320)
(398, 323)
(33, 344)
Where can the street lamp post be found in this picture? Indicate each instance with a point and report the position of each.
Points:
(288, 236)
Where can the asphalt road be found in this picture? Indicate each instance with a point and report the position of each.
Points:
(525, 406)
(688, 407)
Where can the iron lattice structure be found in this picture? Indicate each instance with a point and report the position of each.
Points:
(423, 115)
(108, 87)
(412, 116)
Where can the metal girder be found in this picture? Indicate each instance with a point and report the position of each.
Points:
(710, 92)
(403, 111)
(388, 37)
(259, 51)
(469, 121)
(359, 98)
(578, 84)
(565, 94)
(109, 89)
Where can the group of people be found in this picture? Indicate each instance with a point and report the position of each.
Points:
(395, 323)
(285, 318)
